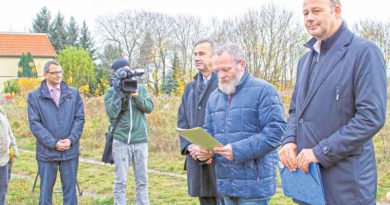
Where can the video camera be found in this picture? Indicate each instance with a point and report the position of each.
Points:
(129, 82)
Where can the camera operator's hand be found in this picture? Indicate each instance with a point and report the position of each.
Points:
(118, 76)
(122, 73)
(115, 82)
(134, 94)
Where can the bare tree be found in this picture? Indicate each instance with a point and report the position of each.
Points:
(270, 36)
(378, 32)
(124, 30)
(186, 30)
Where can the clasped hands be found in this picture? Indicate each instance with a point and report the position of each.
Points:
(63, 145)
(290, 159)
(198, 153)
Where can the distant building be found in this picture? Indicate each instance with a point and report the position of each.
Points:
(12, 45)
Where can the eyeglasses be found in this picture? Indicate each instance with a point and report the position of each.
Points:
(55, 72)
(226, 69)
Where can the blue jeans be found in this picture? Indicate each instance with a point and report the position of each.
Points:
(48, 173)
(137, 156)
(3, 183)
(245, 201)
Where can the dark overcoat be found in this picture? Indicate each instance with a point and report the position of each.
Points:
(339, 114)
(200, 176)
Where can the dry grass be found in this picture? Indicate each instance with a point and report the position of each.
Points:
(163, 148)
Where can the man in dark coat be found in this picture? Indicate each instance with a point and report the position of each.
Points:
(200, 172)
(338, 105)
(56, 119)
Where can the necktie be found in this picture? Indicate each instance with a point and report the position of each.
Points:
(55, 96)
(202, 86)
(205, 81)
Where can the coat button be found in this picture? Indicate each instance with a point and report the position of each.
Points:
(199, 107)
(325, 148)
(301, 121)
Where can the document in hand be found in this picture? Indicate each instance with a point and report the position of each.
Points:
(199, 137)
(303, 187)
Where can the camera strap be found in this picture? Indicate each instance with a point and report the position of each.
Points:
(125, 104)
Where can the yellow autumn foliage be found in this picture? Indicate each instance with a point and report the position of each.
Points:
(84, 90)
(27, 85)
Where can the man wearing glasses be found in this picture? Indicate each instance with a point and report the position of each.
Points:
(246, 115)
(56, 119)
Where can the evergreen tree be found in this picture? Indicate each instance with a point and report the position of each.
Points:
(58, 35)
(27, 66)
(170, 86)
(172, 81)
(177, 75)
(86, 41)
(72, 31)
(41, 23)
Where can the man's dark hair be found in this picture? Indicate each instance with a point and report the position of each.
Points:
(46, 68)
(205, 40)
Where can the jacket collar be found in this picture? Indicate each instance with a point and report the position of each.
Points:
(329, 42)
(44, 90)
(339, 46)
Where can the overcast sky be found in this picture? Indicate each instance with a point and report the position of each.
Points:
(17, 15)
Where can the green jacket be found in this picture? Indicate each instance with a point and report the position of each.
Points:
(132, 127)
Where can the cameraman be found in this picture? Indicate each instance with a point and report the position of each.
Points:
(130, 137)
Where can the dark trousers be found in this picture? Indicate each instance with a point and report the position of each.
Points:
(48, 173)
(3, 183)
(211, 201)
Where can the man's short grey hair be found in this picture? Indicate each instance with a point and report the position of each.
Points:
(335, 2)
(232, 49)
(205, 40)
(46, 68)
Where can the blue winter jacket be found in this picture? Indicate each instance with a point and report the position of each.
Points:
(50, 123)
(253, 123)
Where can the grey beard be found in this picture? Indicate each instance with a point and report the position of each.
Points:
(229, 88)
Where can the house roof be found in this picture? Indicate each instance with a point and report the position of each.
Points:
(14, 44)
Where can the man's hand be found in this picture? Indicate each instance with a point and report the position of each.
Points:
(209, 161)
(193, 149)
(305, 157)
(63, 145)
(225, 151)
(117, 77)
(204, 154)
(134, 94)
(288, 156)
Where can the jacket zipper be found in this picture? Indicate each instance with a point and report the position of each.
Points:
(144, 123)
(131, 122)
(227, 112)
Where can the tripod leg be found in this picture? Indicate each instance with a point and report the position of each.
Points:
(78, 188)
(35, 183)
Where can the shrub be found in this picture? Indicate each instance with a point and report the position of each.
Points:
(11, 86)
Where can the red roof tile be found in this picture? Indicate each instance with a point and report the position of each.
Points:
(14, 44)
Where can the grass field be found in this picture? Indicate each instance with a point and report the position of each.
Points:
(167, 182)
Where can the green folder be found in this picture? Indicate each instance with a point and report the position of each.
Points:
(199, 137)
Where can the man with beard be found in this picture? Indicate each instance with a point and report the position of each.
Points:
(246, 115)
(200, 170)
